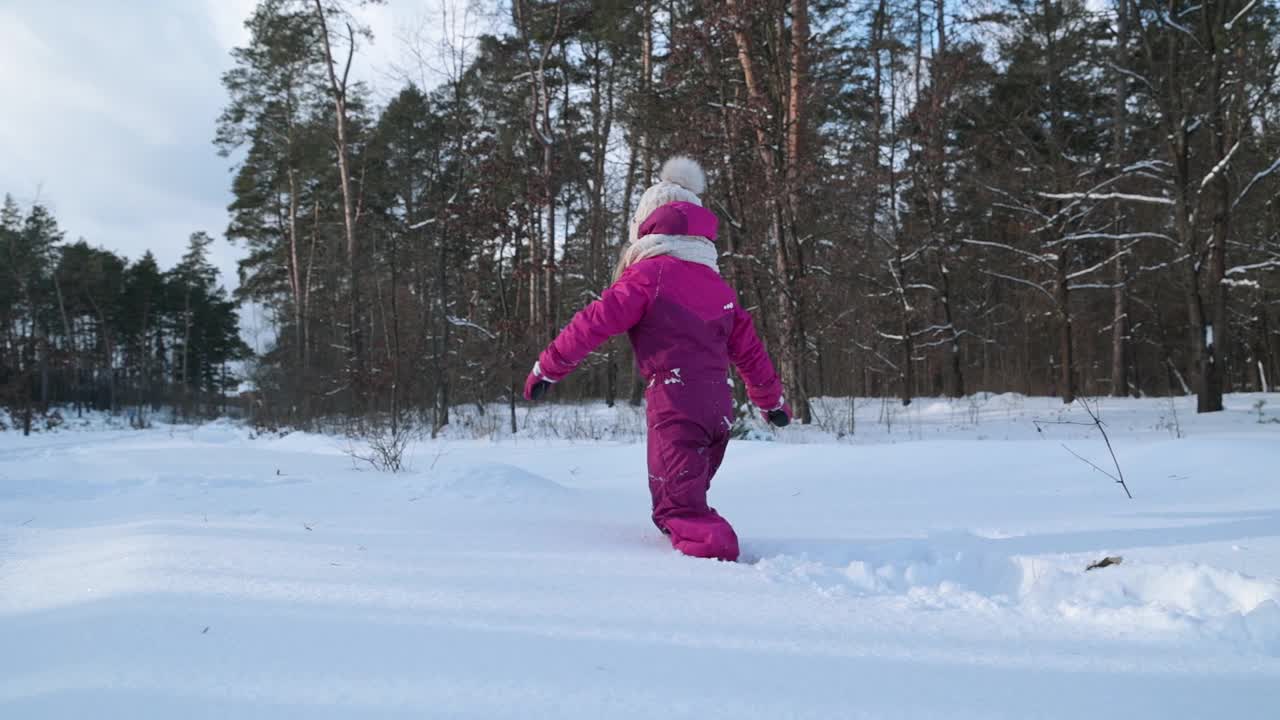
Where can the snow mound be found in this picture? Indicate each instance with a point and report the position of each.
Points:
(492, 482)
(970, 573)
(1263, 627)
(1193, 591)
(220, 432)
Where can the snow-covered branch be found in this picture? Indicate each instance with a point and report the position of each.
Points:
(1021, 281)
(1265, 265)
(1231, 23)
(1134, 75)
(1118, 236)
(463, 322)
(1220, 167)
(1047, 258)
(1262, 175)
(1101, 264)
(1129, 197)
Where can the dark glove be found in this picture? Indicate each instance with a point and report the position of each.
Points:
(779, 416)
(537, 384)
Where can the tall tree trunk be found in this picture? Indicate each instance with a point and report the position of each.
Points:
(544, 257)
(1120, 280)
(646, 157)
(1213, 357)
(937, 168)
(75, 354)
(443, 327)
(186, 354)
(1066, 349)
(338, 88)
(776, 172)
(791, 254)
(295, 270)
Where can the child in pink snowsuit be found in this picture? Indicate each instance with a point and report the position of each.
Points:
(686, 326)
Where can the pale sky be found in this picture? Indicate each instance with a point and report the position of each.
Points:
(109, 111)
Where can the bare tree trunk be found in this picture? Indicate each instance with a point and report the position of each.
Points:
(938, 179)
(1212, 372)
(646, 158)
(186, 354)
(791, 254)
(1066, 349)
(441, 343)
(295, 269)
(646, 87)
(544, 257)
(338, 87)
(602, 126)
(775, 172)
(877, 115)
(1120, 288)
(66, 326)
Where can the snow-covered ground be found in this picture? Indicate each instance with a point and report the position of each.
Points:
(931, 564)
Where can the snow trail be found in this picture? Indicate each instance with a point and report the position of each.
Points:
(930, 565)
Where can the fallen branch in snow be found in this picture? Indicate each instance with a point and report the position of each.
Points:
(1105, 562)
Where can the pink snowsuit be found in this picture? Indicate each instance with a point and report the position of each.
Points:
(686, 326)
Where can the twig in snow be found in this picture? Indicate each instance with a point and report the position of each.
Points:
(444, 450)
(1107, 439)
(1086, 461)
(1105, 562)
(1096, 421)
(1038, 422)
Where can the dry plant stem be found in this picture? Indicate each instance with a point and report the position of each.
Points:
(1097, 420)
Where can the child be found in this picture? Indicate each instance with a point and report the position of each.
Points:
(686, 326)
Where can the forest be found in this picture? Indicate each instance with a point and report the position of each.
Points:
(916, 198)
(88, 329)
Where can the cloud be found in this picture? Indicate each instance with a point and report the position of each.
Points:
(110, 112)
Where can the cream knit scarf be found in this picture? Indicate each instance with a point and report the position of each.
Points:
(684, 247)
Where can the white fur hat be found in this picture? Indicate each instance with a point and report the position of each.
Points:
(681, 180)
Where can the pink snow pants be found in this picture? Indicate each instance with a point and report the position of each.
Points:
(689, 422)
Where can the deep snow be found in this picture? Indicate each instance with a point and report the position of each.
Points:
(929, 565)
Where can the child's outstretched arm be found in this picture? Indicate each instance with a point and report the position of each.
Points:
(748, 355)
(619, 308)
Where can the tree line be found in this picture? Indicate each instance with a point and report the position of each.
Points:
(917, 197)
(83, 327)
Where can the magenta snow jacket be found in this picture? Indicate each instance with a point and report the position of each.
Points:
(682, 318)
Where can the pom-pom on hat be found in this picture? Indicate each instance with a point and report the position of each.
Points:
(681, 180)
(684, 172)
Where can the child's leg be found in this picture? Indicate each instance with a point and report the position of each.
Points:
(683, 456)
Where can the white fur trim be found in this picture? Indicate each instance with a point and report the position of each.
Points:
(684, 172)
(537, 371)
(683, 247)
